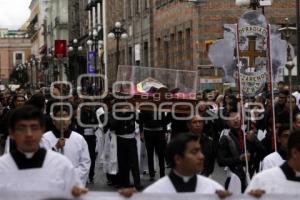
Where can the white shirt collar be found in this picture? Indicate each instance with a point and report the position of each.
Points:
(297, 174)
(28, 155)
(184, 178)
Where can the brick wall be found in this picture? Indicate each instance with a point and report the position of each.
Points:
(184, 29)
(218, 12)
(7, 48)
(206, 23)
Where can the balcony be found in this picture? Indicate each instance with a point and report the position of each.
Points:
(33, 27)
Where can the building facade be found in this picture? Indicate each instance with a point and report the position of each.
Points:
(138, 17)
(78, 30)
(115, 13)
(173, 34)
(36, 32)
(56, 28)
(15, 48)
(182, 41)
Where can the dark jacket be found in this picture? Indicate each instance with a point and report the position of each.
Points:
(209, 152)
(229, 152)
(151, 120)
(122, 126)
(87, 117)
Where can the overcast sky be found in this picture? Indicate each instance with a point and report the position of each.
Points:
(13, 13)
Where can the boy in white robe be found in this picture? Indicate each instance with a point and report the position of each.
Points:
(29, 168)
(277, 158)
(72, 144)
(186, 160)
(280, 180)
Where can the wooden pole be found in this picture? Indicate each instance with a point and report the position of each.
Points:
(239, 65)
(271, 88)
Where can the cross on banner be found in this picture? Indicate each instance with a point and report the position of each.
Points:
(252, 53)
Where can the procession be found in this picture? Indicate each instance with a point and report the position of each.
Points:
(149, 99)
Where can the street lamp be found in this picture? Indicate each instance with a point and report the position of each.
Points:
(118, 33)
(95, 28)
(95, 42)
(287, 32)
(75, 48)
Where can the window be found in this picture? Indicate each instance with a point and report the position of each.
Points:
(161, 3)
(180, 48)
(188, 46)
(129, 10)
(172, 50)
(137, 6)
(166, 53)
(157, 4)
(146, 4)
(122, 60)
(146, 57)
(159, 56)
(130, 56)
(18, 58)
(206, 71)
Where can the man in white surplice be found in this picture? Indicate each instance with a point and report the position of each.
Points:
(284, 179)
(277, 158)
(72, 144)
(186, 160)
(29, 168)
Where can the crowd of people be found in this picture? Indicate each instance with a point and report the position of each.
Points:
(39, 128)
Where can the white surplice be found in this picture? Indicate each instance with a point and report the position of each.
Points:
(272, 160)
(273, 181)
(109, 154)
(204, 186)
(57, 176)
(75, 149)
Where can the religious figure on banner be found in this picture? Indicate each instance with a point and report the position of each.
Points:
(250, 52)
